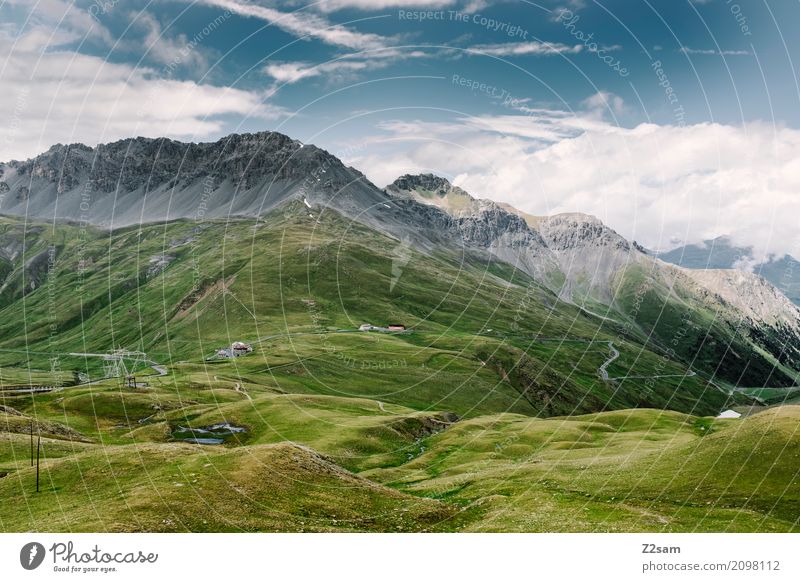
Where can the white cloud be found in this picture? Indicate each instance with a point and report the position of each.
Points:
(64, 19)
(473, 6)
(656, 184)
(54, 96)
(722, 53)
(333, 5)
(604, 102)
(343, 68)
(163, 48)
(526, 48)
(303, 24)
(292, 72)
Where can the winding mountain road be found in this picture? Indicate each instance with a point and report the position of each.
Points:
(603, 369)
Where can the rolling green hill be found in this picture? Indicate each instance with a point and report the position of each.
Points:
(483, 337)
(322, 463)
(502, 407)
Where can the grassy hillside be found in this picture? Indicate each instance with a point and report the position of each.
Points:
(486, 337)
(501, 409)
(325, 463)
(700, 337)
(641, 470)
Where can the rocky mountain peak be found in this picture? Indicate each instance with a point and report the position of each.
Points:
(575, 230)
(422, 182)
(722, 253)
(439, 192)
(135, 162)
(750, 294)
(152, 179)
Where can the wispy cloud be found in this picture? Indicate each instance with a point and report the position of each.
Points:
(304, 24)
(723, 53)
(162, 47)
(292, 72)
(526, 48)
(334, 5)
(343, 68)
(64, 20)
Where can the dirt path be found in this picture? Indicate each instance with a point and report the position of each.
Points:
(241, 390)
(238, 388)
(160, 370)
(688, 374)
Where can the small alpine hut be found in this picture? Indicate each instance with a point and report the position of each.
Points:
(240, 349)
(729, 414)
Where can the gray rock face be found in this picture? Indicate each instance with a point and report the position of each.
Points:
(575, 254)
(136, 163)
(417, 182)
(482, 224)
(749, 295)
(146, 180)
(575, 230)
(590, 254)
(721, 253)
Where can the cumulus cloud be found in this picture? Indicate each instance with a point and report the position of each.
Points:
(59, 95)
(652, 183)
(604, 102)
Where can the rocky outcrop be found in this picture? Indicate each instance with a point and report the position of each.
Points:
(482, 224)
(722, 253)
(421, 182)
(749, 295)
(575, 230)
(146, 180)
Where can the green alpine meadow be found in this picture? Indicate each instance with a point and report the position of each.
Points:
(249, 336)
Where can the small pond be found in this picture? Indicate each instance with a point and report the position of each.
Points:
(215, 434)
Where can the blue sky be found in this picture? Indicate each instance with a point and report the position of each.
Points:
(508, 99)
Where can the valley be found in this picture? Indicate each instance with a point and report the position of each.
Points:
(513, 373)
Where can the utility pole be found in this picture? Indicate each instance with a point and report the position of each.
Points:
(31, 442)
(38, 447)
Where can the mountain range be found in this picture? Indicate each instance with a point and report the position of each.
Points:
(722, 253)
(551, 376)
(732, 325)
